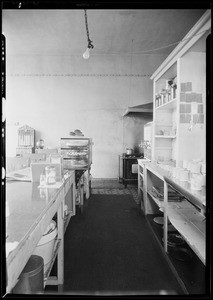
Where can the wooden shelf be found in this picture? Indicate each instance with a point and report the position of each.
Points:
(171, 105)
(165, 136)
(184, 216)
(191, 224)
(157, 201)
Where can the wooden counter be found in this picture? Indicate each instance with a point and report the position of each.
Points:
(187, 216)
(31, 210)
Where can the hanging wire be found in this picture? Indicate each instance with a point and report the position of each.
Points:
(154, 49)
(90, 45)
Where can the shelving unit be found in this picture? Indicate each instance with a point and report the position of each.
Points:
(178, 124)
(77, 155)
(187, 217)
(180, 99)
(191, 224)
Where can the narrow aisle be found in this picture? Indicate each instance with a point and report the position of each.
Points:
(110, 248)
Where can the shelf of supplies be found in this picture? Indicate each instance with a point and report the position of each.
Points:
(168, 105)
(191, 224)
(165, 136)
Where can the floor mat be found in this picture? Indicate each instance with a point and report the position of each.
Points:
(111, 191)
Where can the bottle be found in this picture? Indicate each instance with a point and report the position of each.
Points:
(50, 174)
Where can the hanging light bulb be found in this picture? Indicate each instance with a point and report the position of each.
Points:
(86, 54)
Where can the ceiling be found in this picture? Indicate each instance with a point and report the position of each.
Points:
(112, 31)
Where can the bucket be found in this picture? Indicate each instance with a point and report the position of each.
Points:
(45, 246)
(31, 280)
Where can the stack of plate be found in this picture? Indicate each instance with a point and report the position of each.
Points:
(174, 240)
(159, 220)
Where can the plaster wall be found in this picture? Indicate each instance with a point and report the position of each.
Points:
(58, 94)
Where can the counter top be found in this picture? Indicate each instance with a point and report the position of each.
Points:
(30, 210)
(198, 198)
(26, 202)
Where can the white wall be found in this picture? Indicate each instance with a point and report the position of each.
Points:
(42, 95)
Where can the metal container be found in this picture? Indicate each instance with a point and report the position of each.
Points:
(31, 280)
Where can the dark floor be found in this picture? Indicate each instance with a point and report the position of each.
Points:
(110, 250)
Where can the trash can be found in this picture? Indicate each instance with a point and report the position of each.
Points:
(31, 279)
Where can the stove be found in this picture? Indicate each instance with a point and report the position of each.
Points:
(128, 168)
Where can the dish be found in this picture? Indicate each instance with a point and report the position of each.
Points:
(174, 240)
(158, 220)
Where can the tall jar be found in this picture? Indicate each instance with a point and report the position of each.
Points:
(174, 89)
(50, 172)
(166, 96)
(163, 96)
(157, 100)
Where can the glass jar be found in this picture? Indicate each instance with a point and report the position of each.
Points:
(174, 88)
(50, 172)
(166, 99)
(163, 96)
